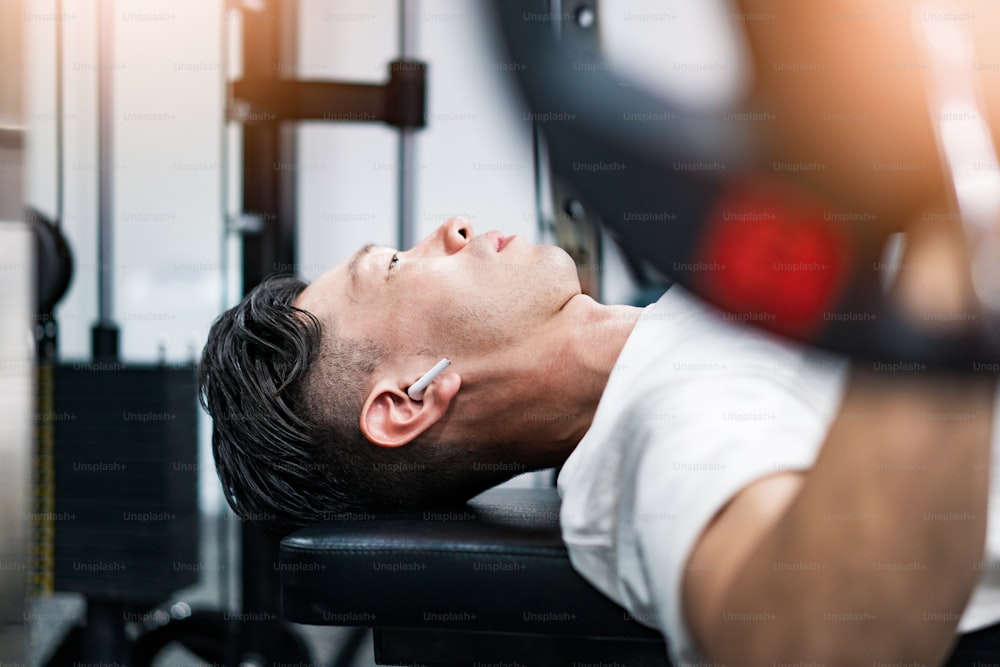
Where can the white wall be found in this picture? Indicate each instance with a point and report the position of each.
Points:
(168, 229)
(474, 157)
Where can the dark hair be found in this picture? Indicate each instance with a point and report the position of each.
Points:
(285, 394)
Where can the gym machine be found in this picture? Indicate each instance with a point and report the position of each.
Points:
(684, 230)
(124, 501)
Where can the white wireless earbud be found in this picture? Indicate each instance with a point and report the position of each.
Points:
(416, 390)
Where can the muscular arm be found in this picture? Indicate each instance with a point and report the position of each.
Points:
(870, 556)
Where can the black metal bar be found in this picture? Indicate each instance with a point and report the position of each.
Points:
(268, 247)
(104, 640)
(268, 196)
(272, 99)
(262, 56)
(269, 104)
(399, 102)
(394, 646)
(406, 94)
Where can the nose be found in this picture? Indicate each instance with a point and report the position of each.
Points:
(450, 237)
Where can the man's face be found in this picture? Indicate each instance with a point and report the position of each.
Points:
(454, 293)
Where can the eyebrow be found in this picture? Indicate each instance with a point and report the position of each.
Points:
(352, 266)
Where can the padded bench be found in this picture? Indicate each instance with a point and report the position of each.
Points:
(488, 582)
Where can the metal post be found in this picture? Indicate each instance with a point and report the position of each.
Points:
(407, 173)
(268, 148)
(106, 162)
(60, 113)
(105, 332)
(269, 52)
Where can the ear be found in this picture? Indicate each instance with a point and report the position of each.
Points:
(390, 418)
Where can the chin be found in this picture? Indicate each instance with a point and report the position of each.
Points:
(560, 268)
(559, 262)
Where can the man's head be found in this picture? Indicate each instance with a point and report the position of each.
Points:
(307, 384)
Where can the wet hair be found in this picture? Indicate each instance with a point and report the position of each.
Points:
(285, 393)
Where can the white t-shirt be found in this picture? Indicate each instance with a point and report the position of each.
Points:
(696, 408)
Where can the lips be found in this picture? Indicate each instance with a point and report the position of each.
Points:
(504, 241)
(498, 240)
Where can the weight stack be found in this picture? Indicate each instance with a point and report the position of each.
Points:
(126, 481)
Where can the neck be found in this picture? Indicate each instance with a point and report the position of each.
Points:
(539, 395)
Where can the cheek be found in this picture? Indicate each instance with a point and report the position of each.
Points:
(481, 303)
(432, 307)
(376, 324)
(469, 326)
(473, 312)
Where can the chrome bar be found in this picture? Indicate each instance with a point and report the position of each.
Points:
(407, 172)
(106, 162)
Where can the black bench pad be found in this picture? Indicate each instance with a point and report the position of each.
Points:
(496, 564)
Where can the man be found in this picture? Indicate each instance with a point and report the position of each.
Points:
(758, 502)
(755, 501)
(292, 368)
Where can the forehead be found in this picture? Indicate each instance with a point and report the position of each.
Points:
(336, 287)
(322, 295)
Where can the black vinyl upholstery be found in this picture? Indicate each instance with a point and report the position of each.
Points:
(494, 565)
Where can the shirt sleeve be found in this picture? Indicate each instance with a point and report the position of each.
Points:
(711, 434)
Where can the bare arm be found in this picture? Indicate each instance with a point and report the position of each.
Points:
(870, 556)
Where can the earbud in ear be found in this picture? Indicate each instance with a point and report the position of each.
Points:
(416, 390)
